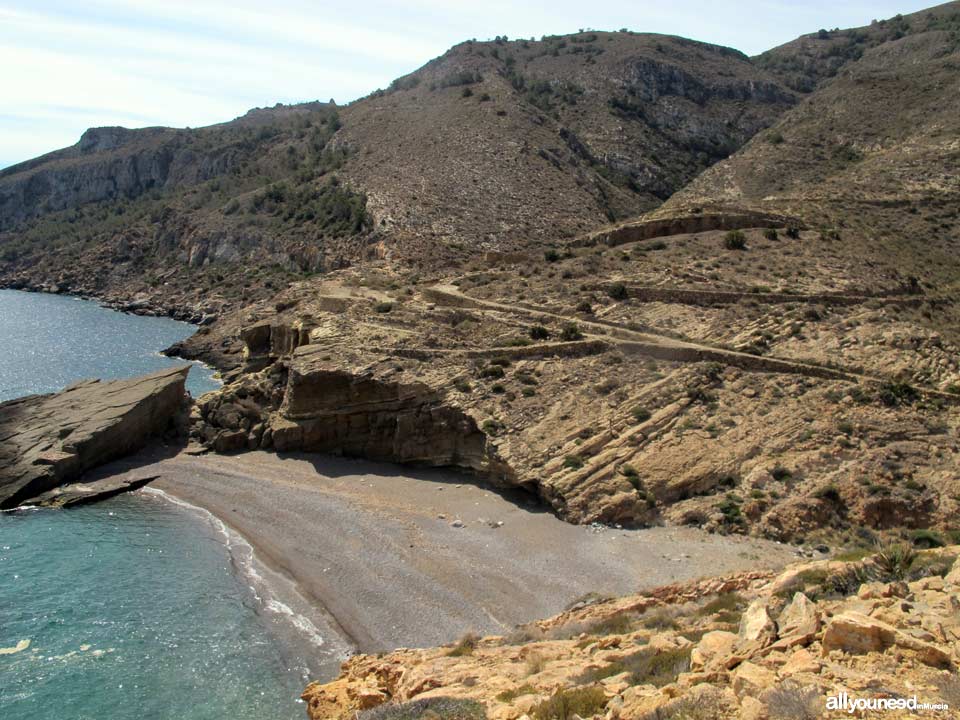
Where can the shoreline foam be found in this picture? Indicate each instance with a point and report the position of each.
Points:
(276, 597)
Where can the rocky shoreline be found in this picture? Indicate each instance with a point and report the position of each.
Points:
(50, 441)
(138, 302)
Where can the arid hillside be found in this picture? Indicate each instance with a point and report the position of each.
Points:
(873, 154)
(771, 351)
(493, 146)
(501, 144)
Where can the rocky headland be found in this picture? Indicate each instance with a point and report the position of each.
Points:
(50, 441)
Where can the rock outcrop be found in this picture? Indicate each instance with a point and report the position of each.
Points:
(50, 440)
(671, 653)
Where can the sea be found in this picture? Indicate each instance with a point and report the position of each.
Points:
(140, 606)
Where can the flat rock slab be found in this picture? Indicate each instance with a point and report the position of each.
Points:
(47, 441)
(84, 493)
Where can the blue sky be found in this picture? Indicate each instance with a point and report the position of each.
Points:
(68, 66)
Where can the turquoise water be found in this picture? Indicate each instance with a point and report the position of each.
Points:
(50, 341)
(133, 610)
(135, 607)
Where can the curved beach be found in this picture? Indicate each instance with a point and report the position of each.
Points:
(394, 557)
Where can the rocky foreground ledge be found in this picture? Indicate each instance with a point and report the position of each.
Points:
(751, 646)
(48, 441)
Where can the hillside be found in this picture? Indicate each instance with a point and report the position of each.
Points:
(497, 145)
(491, 147)
(872, 154)
(744, 358)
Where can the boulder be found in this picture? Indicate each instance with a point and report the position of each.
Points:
(798, 623)
(857, 634)
(713, 648)
(756, 625)
(802, 661)
(752, 680)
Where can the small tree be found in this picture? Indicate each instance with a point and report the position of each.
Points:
(735, 240)
(618, 291)
(570, 333)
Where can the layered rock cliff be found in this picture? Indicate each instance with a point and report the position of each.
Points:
(603, 419)
(50, 440)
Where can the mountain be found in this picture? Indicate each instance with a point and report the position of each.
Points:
(490, 147)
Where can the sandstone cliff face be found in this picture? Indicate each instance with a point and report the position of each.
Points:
(742, 647)
(51, 440)
(327, 409)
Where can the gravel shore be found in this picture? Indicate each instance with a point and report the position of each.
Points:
(397, 557)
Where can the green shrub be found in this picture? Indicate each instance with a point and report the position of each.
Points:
(492, 371)
(574, 462)
(383, 307)
(584, 306)
(793, 233)
(618, 291)
(771, 234)
(780, 473)
(893, 394)
(465, 645)
(551, 255)
(584, 702)
(895, 560)
(570, 333)
(735, 240)
(640, 414)
(437, 708)
(539, 332)
(491, 427)
(926, 539)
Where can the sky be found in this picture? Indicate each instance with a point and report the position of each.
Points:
(69, 65)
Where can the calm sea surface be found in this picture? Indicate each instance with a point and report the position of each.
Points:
(50, 341)
(135, 607)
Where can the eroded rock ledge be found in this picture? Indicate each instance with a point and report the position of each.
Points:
(50, 440)
(744, 647)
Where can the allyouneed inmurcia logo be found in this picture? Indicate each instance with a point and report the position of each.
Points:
(844, 702)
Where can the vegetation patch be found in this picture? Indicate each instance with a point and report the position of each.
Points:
(438, 708)
(565, 704)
